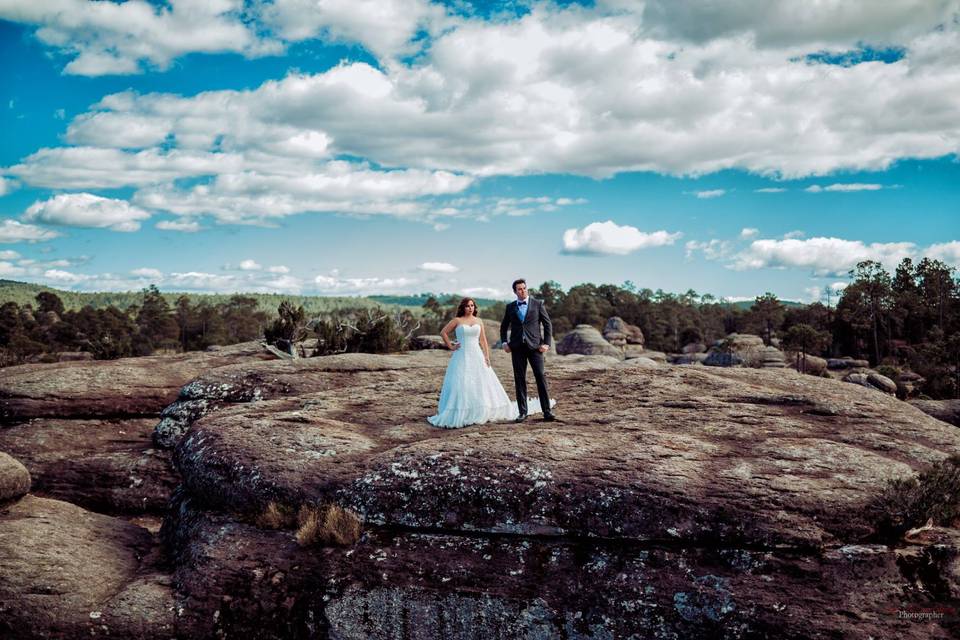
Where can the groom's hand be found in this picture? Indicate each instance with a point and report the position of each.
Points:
(506, 347)
(544, 348)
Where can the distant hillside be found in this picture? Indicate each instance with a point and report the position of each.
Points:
(25, 293)
(745, 305)
(419, 299)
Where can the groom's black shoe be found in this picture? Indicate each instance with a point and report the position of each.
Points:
(549, 417)
(521, 419)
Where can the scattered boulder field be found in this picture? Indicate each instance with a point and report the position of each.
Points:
(310, 498)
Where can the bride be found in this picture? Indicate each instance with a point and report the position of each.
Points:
(472, 393)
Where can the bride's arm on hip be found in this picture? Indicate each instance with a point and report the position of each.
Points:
(452, 325)
(484, 344)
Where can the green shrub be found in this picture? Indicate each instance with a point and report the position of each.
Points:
(907, 503)
(888, 371)
(289, 325)
(364, 331)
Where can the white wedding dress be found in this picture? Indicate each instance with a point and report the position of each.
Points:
(472, 393)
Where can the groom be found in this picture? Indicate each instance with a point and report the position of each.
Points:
(524, 317)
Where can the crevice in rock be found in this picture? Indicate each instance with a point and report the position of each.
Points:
(610, 544)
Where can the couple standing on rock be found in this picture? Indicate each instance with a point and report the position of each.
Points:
(471, 392)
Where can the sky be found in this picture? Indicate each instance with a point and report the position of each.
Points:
(356, 147)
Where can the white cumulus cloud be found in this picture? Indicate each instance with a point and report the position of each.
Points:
(6, 186)
(13, 231)
(542, 93)
(848, 187)
(777, 23)
(186, 226)
(121, 38)
(385, 27)
(711, 193)
(713, 249)
(440, 267)
(147, 272)
(948, 252)
(250, 265)
(201, 281)
(87, 210)
(489, 292)
(335, 284)
(10, 269)
(609, 238)
(67, 277)
(822, 256)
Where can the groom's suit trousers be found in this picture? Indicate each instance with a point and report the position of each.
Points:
(522, 354)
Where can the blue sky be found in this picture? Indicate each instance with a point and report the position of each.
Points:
(349, 148)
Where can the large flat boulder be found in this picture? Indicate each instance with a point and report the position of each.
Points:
(762, 436)
(110, 466)
(129, 387)
(705, 499)
(68, 573)
(586, 340)
(243, 383)
(946, 410)
(85, 429)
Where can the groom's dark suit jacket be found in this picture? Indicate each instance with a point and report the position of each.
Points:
(528, 331)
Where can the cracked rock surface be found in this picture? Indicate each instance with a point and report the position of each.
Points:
(84, 430)
(671, 502)
(728, 501)
(129, 387)
(68, 573)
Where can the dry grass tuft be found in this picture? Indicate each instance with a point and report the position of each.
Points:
(327, 525)
(309, 525)
(276, 516)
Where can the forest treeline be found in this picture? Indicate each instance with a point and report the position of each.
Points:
(30, 332)
(908, 319)
(24, 293)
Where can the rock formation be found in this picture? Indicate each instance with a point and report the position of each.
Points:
(418, 343)
(515, 521)
(125, 388)
(815, 365)
(846, 363)
(84, 429)
(872, 380)
(671, 502)
(718, 358)
(586, 340)
(687, 358)
(946, 410)
(909, 384)
(741, 349)
(772, 358)
(694, 347)
(14, 478)
(68, 573)
(620, 333)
